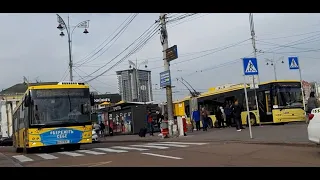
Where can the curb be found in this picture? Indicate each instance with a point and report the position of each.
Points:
(296, 144)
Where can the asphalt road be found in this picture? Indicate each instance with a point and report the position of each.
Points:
(176, 154)
(215, 147)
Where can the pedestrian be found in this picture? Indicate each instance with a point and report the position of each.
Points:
(159, 119)
(204, 115)
(102, 128)
(150, 123)
(96, 127)
(196, 118)
(219, 117)
(227, 112)
(237, 109)
(312, 103)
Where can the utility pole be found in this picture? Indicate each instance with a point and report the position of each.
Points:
(165, 46)
(255, 55)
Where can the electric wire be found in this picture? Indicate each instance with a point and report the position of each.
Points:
(116, 37)
(139, 47)
(152, 28)
(93, 51)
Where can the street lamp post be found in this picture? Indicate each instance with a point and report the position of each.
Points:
(273, 63)
(63, 26)
(136, 67)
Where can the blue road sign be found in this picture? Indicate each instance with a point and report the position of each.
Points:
(250, 66)
(165, 79)
(293, 63)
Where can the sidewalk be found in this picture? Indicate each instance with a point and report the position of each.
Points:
(289, 134)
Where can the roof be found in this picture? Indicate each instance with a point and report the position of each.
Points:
(22, 87)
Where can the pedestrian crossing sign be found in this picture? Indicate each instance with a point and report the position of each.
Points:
(293, 62)
(250, 66)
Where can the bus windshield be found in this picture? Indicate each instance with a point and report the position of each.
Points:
(60, 106)
(289, 96)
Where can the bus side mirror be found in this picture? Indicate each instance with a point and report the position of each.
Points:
(91, 99)
(27, 101)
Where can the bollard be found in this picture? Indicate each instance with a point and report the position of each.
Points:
(164, 128)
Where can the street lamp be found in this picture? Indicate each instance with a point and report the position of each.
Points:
(273, 63)
(63, 26)
(136, 67)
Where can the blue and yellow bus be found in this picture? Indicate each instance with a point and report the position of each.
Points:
(57, 115)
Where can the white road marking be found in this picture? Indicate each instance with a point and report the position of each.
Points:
(22, 158)
(159, 155)
(170, 145)
(187, 143)
(91, 152)
(73, 154)
(150, 146)
(129, 148)
(111, 150)
(47, 156)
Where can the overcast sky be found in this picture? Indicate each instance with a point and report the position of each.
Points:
(210, 47)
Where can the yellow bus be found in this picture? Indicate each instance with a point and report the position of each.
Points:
(57, 115)
(279, 102)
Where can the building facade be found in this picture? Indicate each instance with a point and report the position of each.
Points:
(135, 85)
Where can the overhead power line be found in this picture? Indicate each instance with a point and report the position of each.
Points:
(112, 40)
(144, 36)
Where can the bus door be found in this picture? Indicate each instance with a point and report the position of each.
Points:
(265, 104)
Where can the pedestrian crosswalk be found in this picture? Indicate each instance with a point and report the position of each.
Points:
(22, 158)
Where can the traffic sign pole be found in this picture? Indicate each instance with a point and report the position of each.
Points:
(302, 91)
(295, 65)
(248, 111)
(250, 68)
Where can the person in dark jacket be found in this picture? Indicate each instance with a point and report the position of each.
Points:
(102, 128)
(237, 109)
(228, 111)
(312, 103)
(219, 117)
(204, 115)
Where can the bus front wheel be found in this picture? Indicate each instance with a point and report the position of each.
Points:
(253, 120)
(19, 150)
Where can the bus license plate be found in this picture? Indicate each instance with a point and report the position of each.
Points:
(63, 142)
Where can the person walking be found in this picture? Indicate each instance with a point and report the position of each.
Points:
(219, 117)
(150, 123)
(237, 109)
(312, 103)
(227, 112)
(196, 118)
(204, 115)
(102, 129)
